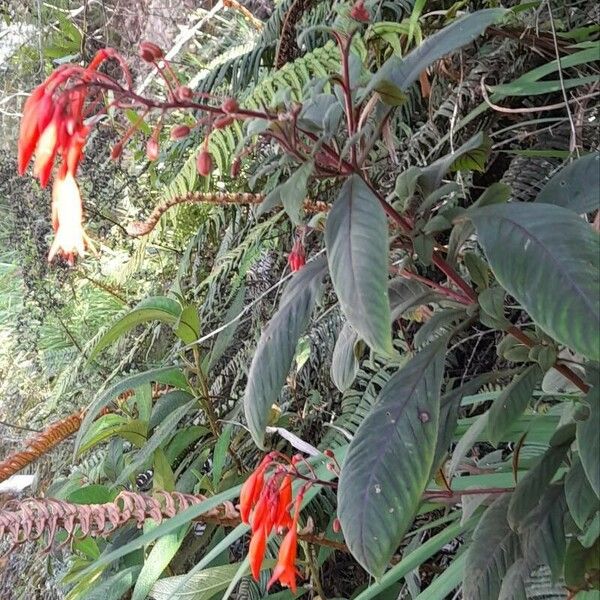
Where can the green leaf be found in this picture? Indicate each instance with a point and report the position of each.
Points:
(182, 439)
(431, 176)
(344, 362)
(166, 404)
(542, 532)
(588, 440)
(160, 435)
(157, 308)
(112, 425)
(478, 270)
(591, 531)
(514, 586)
(581, 499)
(542, 252)
(575, 186)
(291, 194)
(92, 494)
(398, 74)
(530, 489)
(168, 375)
(157, 561)
(277, 346)
(388, 462)
(202, 586)
(187, 327)
(494, 548)
(491, 301)
(512, 402)
(113, 587)
(220, 453)
(356, 236)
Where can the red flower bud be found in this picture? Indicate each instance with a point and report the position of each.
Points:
(337, 526)
(359, 13)
(183, 92)
(116, 151)
(297, 257)
(152, 149)
(222, 122)
(235, 167)
(150, 52)
(204, 163)
(230, 105)
(179, 132)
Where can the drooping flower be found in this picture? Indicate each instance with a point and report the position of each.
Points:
(359, 12)
(285, 571)
(256, 551)
(252, 489)
(52, 128)
(67, 218)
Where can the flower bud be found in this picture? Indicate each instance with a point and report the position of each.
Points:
(297, 257)
(222, 122)
(152, 149)
(337, 526)
(230, 105)
(179, 132)
(329, 453)
(204, 163)
(235, 167)
(150, 52)
(116, 151)
(183, 92)
(359, 13)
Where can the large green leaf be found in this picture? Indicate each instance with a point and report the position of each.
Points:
(202, 586)
(156, 308)
(494, 548)
(398, 74)
(512, 402)
(157, 561)
(161, 433)
(344, 361)
(549, 260)
(581, 499)
(575, 186)
(356, 236)
(389, 460)
(529, 490)
(168, 375)
(543, 533)
(277, 346)
(588, 439)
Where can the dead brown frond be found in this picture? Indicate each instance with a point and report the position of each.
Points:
(34, 518)
(40, 444)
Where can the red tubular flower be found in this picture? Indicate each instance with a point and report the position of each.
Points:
(282, 518)
(249, 493)
(297, 257)
(46, 150)
(29, 133)
(256, 551)
(67, 219)
(285, 571)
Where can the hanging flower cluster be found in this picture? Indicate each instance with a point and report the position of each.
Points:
(265, 503)
(53, 128)
(59, 113)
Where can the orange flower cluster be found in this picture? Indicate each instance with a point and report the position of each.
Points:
(265, 502)
(53, 125)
